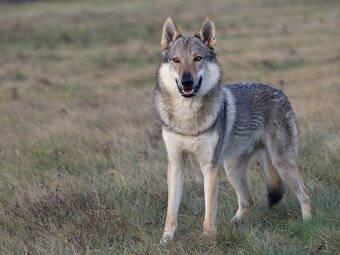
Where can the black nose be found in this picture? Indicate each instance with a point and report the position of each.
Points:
(187, 80)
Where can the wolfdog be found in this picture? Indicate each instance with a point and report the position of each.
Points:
(217, 124)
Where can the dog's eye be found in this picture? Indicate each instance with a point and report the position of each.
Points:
(175, 60)
(198, 58)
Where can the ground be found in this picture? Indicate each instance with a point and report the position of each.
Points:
(83, 166)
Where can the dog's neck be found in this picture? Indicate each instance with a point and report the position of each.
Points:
(188, 116)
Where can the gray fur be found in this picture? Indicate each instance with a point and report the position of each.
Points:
(187, 45)
(261, 111)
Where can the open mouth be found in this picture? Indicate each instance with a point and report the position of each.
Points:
(190, 91)
(187, 91)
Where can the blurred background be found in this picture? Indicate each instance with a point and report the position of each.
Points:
(82, 163)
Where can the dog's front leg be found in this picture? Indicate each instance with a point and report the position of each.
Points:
(210, 175)
(175, 187)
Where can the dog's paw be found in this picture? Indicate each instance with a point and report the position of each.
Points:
(165, 239)
(209, 233)
(235, 220)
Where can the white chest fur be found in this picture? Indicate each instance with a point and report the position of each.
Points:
(188, 116)
(202, 146)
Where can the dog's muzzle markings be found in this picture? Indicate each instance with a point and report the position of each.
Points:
(187, 88)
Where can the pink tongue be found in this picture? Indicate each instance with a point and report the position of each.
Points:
(188, 91)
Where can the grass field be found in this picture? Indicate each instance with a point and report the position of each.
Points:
(82, 163)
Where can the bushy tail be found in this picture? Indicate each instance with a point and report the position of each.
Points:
(275, 185)
(275, 192)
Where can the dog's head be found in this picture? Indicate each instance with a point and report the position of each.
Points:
(190, 65)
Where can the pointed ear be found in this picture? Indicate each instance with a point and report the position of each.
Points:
(207, 33)
(170, 33)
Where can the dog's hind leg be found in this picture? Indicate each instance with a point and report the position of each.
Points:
(284, 159)
(288, 170)
(236, 170)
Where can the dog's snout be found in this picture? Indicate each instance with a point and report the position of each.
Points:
(187, 83)
(187, 80)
